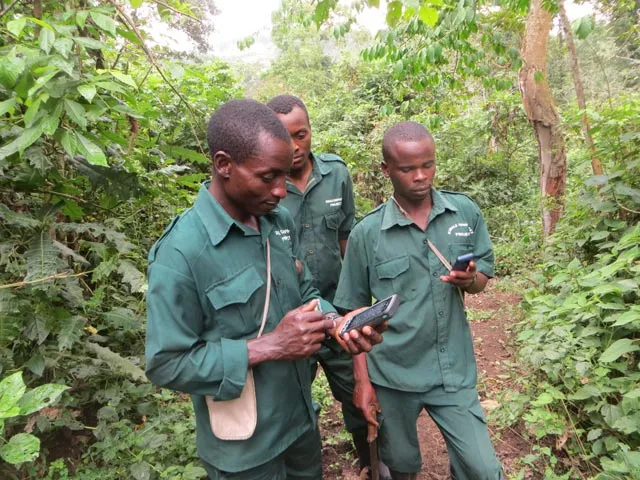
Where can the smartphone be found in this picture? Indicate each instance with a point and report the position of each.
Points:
(374, 315)
(462, 262)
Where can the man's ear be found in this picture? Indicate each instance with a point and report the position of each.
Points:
(385, 168)
(222, 164)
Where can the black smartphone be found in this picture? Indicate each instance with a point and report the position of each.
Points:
(374, 315)
(462, 262)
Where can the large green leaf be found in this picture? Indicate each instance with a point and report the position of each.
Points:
(104, 22)
(132, 276)
(11, 390)
(70, 332)
(21, 448)
(18, 219)
(91, 151)
(87, 91)
(17, 25)
(11, 67)
(46, 39)
(7, 105)
(76, 112)
(617, 349)
(42, 257)
(428, 15)
(22, 142)
(40, 397)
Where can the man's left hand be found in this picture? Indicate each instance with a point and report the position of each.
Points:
(358, 340)
(463, 279)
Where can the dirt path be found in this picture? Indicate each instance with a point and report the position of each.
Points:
(491, 315)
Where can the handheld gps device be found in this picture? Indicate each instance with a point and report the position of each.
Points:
(462, 262)
(374, 315)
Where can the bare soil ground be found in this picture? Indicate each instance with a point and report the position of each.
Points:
(491, 316)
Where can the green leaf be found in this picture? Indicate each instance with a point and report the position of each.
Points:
(36, 364)
(11, 390)
(22, 219)
(135, 3)
(631, 316)
(50, 122)
(538, 77)
(16, 26)
(72, 210)
(543, 399)
(81, 18)
(594, 434)
(89, 43)
(628, 424)
(26, 139)
(87, 91)
(428, 15)
(46, 39)
(63, 46)
(21, 448)
(76, 112)
(40, 397)
(7, 105)
(185, 154)
(124, 78)
(584, 27)
(69, 143)
(321, 13)
(30, 114)
(132, 276)
(394, 12)
(104, 22)
(11, 67)
(617, 349)
(585, 392)
(71, 332)
(91, 151)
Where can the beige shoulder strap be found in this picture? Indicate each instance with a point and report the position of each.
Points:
(265, 311)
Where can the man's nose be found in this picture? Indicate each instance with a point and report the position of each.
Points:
(280, 189)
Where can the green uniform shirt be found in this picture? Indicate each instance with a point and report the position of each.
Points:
(207, 286)
(324, 214)
(428, 343)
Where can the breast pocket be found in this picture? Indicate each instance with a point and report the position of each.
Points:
(235, 312)
(334, 219)
(395, 277)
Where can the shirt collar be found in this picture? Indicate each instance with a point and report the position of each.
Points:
(393, 215)
(218, 223)
(318, 169)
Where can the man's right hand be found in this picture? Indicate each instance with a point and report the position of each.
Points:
(298, 335)
(366, 400)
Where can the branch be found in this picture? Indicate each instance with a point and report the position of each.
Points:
(44, 279)
(623, 207)
(175, 10)
(129, 22)
(8, 8)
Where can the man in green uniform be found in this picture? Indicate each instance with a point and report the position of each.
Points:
(427, 359)
(207, 291)
(320, 198)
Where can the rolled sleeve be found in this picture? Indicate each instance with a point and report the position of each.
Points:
(235, 355)
(177, 355)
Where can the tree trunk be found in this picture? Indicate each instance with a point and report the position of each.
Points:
(541, 112)
(596, 166)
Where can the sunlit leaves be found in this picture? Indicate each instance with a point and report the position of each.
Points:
(584, 26)
(428, 15)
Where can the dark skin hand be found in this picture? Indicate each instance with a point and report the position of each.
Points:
(299, 334)
(364, 395)
(358, 340)
(470, 280)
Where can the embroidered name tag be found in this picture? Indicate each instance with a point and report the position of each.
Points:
(284, 234)
(334, 202)
(460, 230)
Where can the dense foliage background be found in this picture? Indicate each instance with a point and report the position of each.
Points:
(102, 142)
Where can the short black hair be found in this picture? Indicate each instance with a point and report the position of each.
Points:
(403, 132)
(236, 127)
(283, 104)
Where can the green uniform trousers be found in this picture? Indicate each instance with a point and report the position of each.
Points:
(460, 419)
(338, 368)
(302, 460)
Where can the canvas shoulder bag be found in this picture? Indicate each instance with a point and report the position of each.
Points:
(237, 419)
